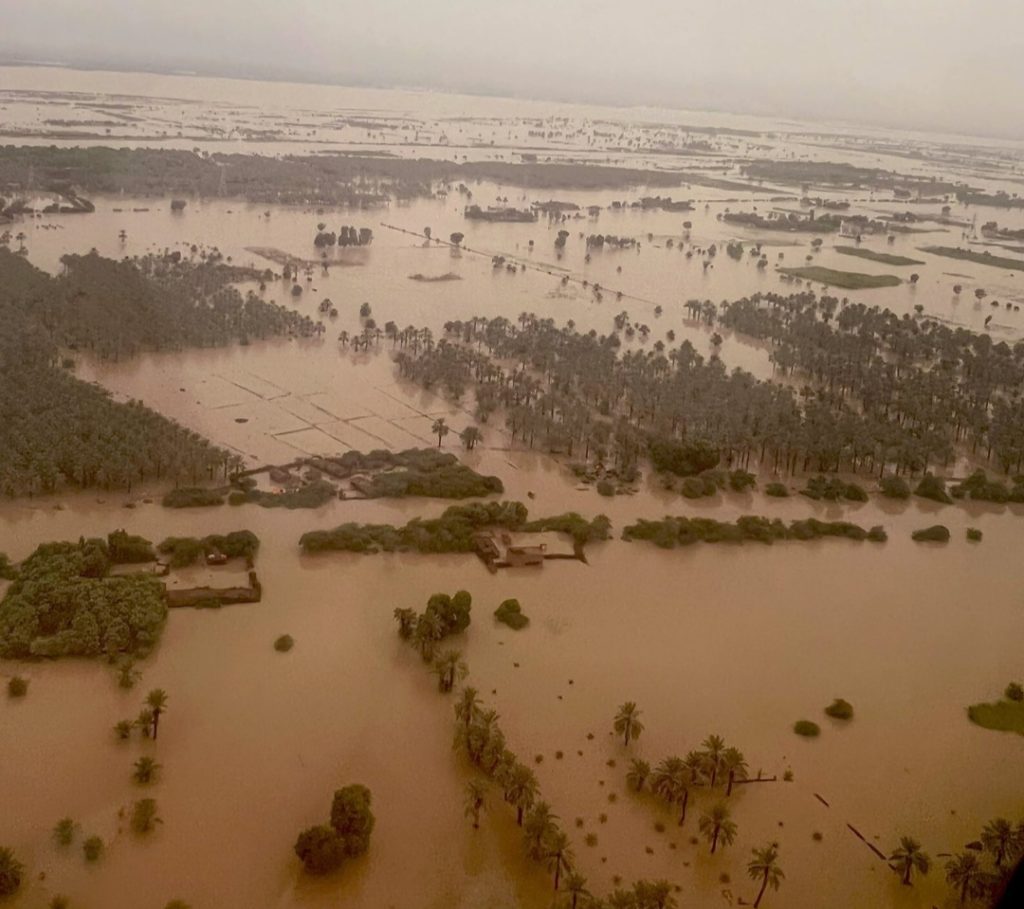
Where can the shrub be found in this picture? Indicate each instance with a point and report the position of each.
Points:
(777, 490)
(193, 497)
(64, 831)
(17, 687)
(973, 534)
(605, 487)
(877, 534)
(682, 459)
(981, 489)
(934, 488)
(510, 613)
(125, 548)
(284, 643)
(832, 489)
(1014, 692)
(7, 571)
(11, 871)
(320, 849)
(807, 729)
(893, 487)
(92, 848)
(60, 902)
(590, 839)
(937, 533)
(840, 709)
(740, 480)
(352, 818)
(144, 817)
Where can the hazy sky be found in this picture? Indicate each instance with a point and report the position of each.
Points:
(956, 65)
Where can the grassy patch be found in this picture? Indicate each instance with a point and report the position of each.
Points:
(884, 258)
(980, 258)
(1002, 716)
(848, 280)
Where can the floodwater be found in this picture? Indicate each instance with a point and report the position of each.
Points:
(740, 641)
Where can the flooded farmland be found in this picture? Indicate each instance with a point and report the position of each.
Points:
(738, 640)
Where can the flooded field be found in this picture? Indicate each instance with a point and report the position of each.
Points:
(740, 641)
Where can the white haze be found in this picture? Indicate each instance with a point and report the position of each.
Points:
(948, 65)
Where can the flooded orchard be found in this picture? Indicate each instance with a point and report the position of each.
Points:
(736, 640)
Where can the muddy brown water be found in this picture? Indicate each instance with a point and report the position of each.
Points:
(740, 641)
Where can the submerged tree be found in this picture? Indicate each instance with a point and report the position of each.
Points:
(716, 826)
(156, 700)
(476, 798)
(965, 873)
(764, 867)
(909, 857)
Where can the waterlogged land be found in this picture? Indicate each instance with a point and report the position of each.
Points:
(736, 640)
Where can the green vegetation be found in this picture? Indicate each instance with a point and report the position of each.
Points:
(848, 280)
(1014, 691)
(146, 770)
(7, 571)
(92, 848)
(777, 490)
(840, 709)
(452, 532)
(933, 488)
(893, 487)
(126, 549)
(979, 258)
(1003, 715)
(764, 867)
(671, 532)
(323, 848)
(193, 497)
(17, 686)
(832, 489)
(65, 604)
(183, 551)
(937, 533)
(709, 482)
(909, 858)
(807, 729)
(974, 535)
(309, 495)
(884, 258)
(11, 872)
(511, 613)
(284, 643)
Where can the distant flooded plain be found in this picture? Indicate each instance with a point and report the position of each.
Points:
(740, 641)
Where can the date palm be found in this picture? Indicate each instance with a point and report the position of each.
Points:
(537, 829)
(575, 887)
(449, 667)
(146, 770)
(965, 872)
(559, 855)
(522, 791)
(11, 871)
(717, 827)
(627, 722)
(467, 707)
(156, 701)
(909, 857)
(440, 429)
(735, 765)
(1000, 839)
(670, 781)
(476, 799)
(764, 867)
(638, 773)
(713, 749)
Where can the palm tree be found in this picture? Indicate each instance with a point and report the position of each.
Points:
(575, 886)
(439, 429)
(964, 871)
(522, 790)
(764, 866)
(713, 750)
(999, 838)
(537, 830)
(476, 795)
(559, 854)
(467, 707)
(716, 825)
(671, 781)
(406, 619)
(637, 775)
(735, 765)
(449, 667)
(156, 700)
(146, 770)
(908, 858)
(627, 722)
